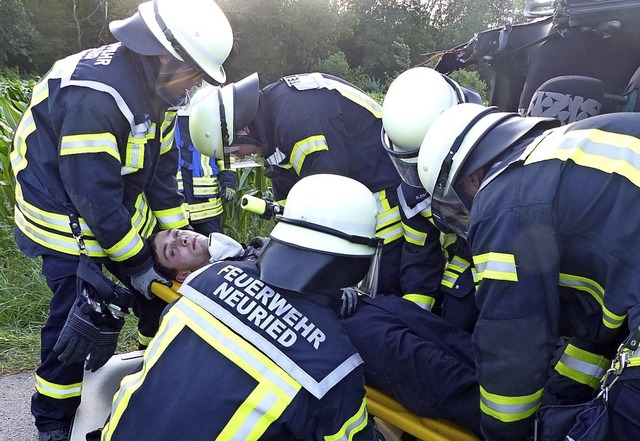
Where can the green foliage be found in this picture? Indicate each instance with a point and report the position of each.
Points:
(240, 223)
(336, 64)
(17, 33)
(472, 80)
(14, 94)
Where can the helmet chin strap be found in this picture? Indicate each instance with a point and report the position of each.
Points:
(246, 139)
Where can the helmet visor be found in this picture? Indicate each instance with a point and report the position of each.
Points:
(405, 162)
(176, 79)
(450, 214)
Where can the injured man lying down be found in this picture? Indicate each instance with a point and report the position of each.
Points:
(411, 355)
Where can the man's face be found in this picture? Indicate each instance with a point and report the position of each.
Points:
(182, 250)
(175, 79)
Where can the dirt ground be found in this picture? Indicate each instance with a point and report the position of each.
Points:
(16, 421)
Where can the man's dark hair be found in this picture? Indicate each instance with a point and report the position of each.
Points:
(170, 273)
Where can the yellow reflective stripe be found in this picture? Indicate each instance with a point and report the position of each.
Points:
(127, 247)
(413, 236)
(179, 179)
(352, 426)
(593, 288)
(509, 409)
(389, 217)
(47, 219)
(143, 339)
(279, 386)
(26, 125)
(205, 181)
(57, 391)
(634, 361)
(389, 234)
(167, 132)
(356, 96)
(305, 147)
(582, 366)
(90, 143)
(595, 148)
(169, 329)
(18, 155)
(205, 210)
(458, 264)
(455, 267)
(172, 217)
(448, 239)
(422, 300)
(58, 242)
(205, 163)
(143, 220)
(382, 201)
(134, 155)
(496, 266)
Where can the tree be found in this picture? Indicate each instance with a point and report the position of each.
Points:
(280, 37)
(17, 34)
(68, 26)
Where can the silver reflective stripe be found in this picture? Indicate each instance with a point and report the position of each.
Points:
(276, 158)
(305, 147)
(508, 409)
(317, 389)
(67, 147)
(57, 391)
(582, 366)
(259, 410)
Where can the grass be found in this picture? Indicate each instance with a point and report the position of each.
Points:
(24, 299)
(24, 295)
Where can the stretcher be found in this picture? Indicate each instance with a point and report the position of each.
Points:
(378, 404)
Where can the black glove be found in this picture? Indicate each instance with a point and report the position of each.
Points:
(349, 302)
(89, 331)
(256, 245)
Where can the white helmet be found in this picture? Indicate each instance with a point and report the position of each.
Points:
(460, 141)
(192, 31)
(326, 235)
(216, 113)
(414, 100)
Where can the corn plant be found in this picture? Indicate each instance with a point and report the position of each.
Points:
(14, 95)
(239, 223)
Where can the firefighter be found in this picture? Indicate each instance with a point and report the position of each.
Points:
(545, 209)
(256, 351)
(204, 182)
(414, 99)
(303, 125)
(95, 176)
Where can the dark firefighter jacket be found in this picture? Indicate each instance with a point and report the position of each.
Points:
(92, 143)
(554, 238)
(235, 359)
(437, 271)
(317, 123)
(200, 177)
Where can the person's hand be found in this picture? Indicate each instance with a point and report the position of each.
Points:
(88, 331)
(142, 282)
(349, 302)
(106, 345)
(257, 244)
(228, 193)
